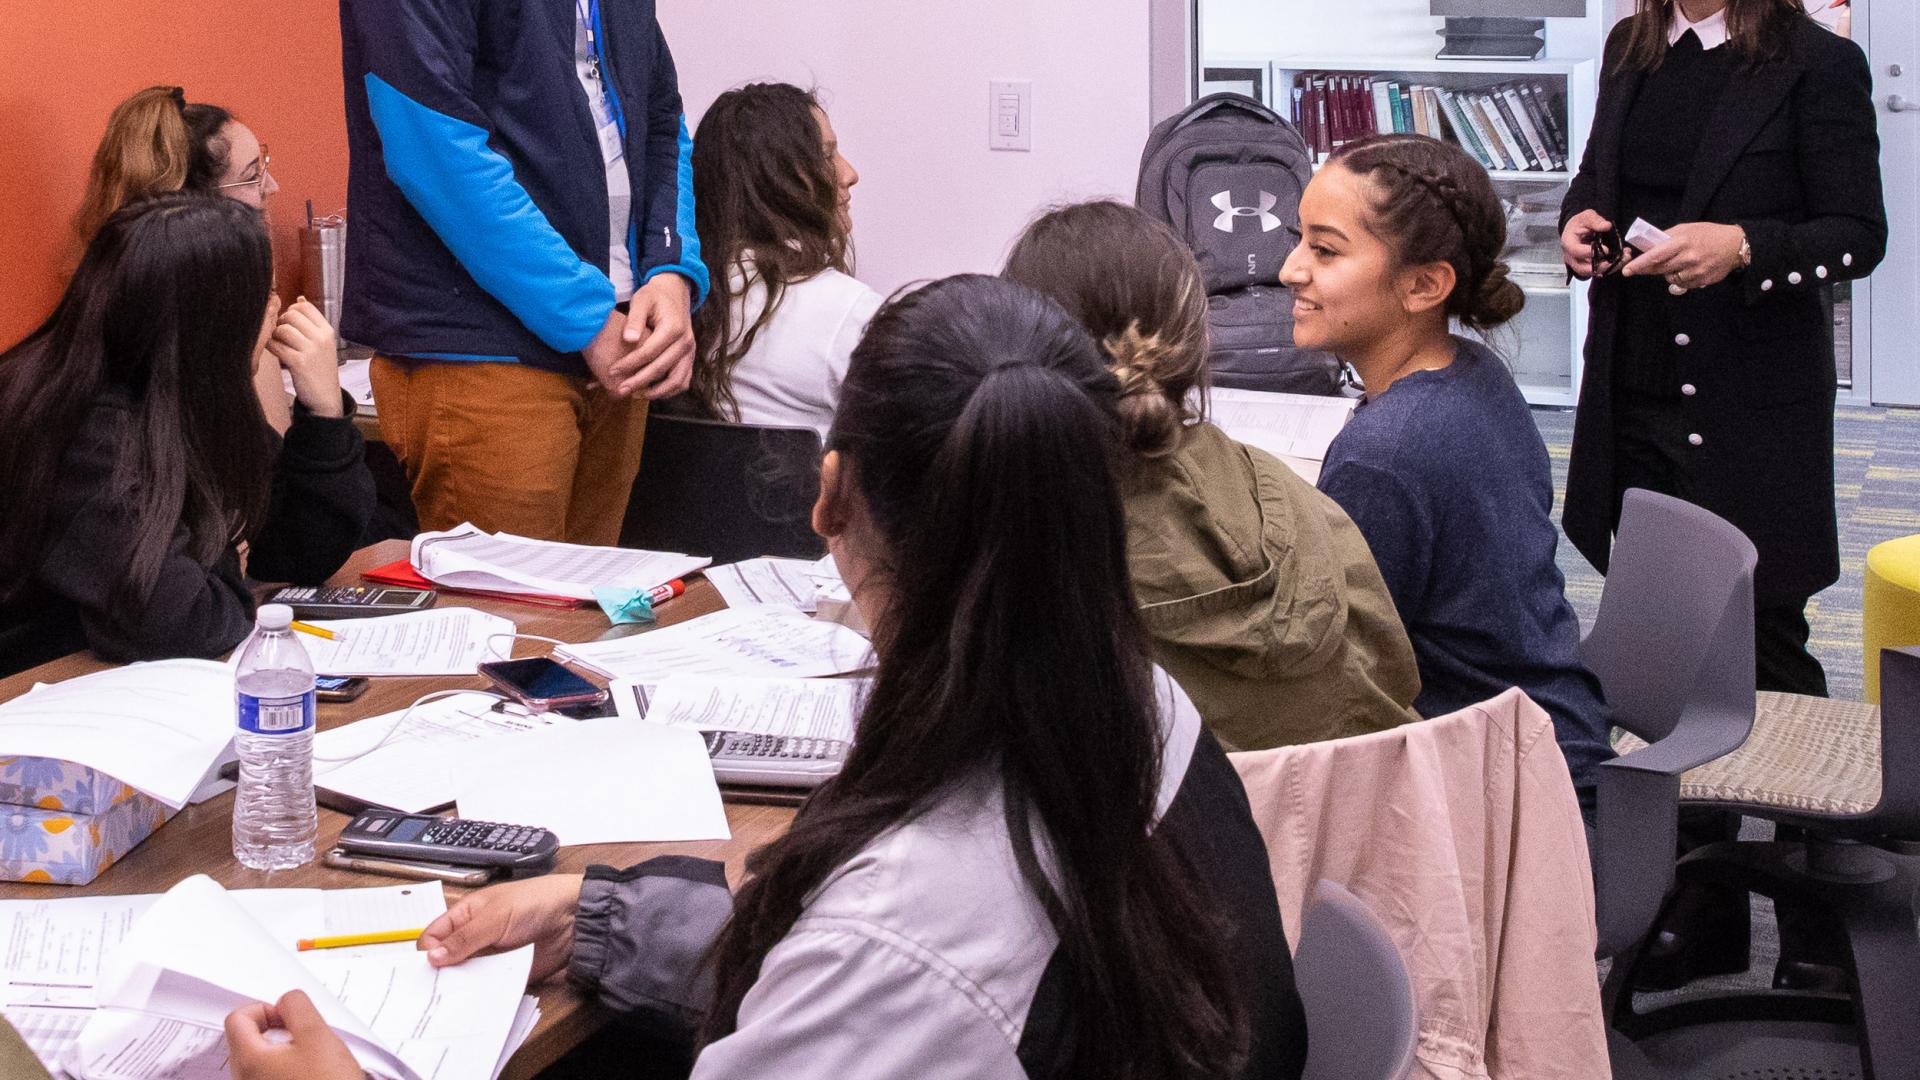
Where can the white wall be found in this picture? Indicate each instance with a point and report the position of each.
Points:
(906, 86)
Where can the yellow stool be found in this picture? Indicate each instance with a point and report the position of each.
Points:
(1890, 603)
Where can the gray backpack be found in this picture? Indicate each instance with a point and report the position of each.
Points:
(1227, 173)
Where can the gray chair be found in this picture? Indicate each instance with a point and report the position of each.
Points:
(727, 491)
(1355, 989)
(1844, 774)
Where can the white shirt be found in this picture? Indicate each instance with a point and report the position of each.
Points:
(792, 372)
(619, 184)
(1712, 30)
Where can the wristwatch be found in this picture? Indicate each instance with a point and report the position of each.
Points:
(1746, 250)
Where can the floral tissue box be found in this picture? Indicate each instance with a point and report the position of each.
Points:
(63, 823)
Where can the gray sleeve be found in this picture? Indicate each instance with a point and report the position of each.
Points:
(641, 937)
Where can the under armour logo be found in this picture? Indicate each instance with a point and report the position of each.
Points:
(1269, 221)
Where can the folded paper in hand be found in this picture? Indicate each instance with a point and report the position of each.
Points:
(467, 558)
(196, 955)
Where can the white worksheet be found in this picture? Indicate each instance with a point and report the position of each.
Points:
(809, 708)
(158, 727)
(467, 558)
(412, 767)
(766, 640)
(604, 781)
(787, 582)
(437, 641)
(54, 950)
(1297, 428)
(198, 952)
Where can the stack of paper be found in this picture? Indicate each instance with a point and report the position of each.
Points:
(765, 640)
(1296, 428)
(808, 708)
(437, 641)
(467, 558)
(605, 781)
(132, 987)
(410, 761)
(156, 727)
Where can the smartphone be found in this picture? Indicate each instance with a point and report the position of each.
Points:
(470, 876)
(541, 682)
(339, 687)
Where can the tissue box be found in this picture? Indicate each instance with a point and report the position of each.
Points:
(63, 823)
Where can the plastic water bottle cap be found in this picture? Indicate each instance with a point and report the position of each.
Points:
(274, 617)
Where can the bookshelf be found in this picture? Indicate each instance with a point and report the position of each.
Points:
(1543, 344)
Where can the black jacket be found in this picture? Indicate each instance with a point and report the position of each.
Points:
(322, 497)
(1791, 156)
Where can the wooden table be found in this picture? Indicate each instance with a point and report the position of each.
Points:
(199, 838)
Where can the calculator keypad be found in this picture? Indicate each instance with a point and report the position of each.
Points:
(485, 835)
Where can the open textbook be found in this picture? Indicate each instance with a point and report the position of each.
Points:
(157, 727)
(467, 558)
(1296, 428)
(139, 987)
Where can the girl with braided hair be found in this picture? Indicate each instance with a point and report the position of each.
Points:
(1259, 594)
(1441, 467)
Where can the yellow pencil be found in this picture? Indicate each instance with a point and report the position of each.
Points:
(309, 628)
(347, 941)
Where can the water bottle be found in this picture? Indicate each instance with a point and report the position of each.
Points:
(273, 816)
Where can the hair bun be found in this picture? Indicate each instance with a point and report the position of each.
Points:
(1496, 301)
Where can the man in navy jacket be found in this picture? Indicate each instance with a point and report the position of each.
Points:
(520, 169)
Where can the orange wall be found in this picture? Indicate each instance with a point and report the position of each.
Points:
(63, 67)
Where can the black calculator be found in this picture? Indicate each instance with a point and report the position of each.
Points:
(514, 849)
(351, 601)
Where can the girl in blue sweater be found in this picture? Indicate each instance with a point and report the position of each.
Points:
(1442, 467)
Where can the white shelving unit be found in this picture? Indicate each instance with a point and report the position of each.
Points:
(1543, 344)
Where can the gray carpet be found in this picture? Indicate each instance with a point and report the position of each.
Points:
(1876, 495)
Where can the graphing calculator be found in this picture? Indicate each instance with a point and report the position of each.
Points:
(351, 601)
(513, 849)
(793, 761)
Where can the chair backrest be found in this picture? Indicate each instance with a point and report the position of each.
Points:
(1674, 636)
(1673, 650)
(1898, 813)
(1356, 991)
(727, 491)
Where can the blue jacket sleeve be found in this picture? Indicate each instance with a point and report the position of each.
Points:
(434, 141)
(668, 240)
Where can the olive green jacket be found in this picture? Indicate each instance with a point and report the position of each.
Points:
(1262, 598)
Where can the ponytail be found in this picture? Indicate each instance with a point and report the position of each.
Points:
(980, 431)
(154, 143)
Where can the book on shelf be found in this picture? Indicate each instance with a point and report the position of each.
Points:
(1512, 125)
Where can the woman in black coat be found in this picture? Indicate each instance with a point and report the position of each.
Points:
(1745, 131)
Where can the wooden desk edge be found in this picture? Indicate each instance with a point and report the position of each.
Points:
(198, 839)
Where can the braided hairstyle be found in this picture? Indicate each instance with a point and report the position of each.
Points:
(1132, 282)
(1432, 203)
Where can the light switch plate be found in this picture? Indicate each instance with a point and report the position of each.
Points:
(1010, 114)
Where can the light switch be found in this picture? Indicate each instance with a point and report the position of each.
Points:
(1010, 115)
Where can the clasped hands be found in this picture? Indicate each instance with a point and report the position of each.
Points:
(290, 1040)
(1697, 254)
(648, 350)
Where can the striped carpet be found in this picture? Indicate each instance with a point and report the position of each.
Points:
(1877, 496)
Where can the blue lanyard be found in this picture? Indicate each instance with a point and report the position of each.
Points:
(589, 17)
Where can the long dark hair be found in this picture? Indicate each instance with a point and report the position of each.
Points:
(980, 428)
(769, 209)
(155, 142)
(1758, 30)
(1132, 282)
(166, 306)
(1433, 203)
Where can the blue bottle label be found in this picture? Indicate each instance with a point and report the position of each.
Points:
(276, 715)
